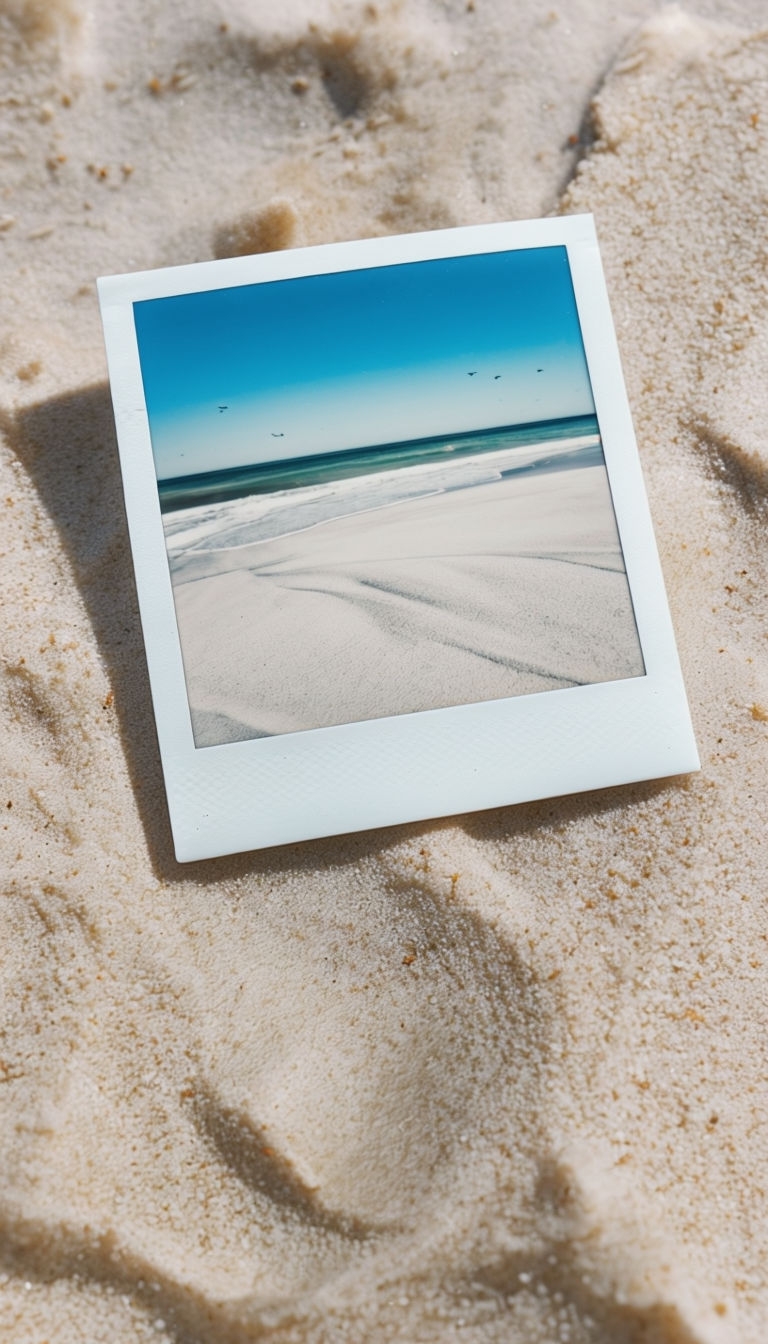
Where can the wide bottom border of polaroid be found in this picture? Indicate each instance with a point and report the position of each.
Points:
(354, 777)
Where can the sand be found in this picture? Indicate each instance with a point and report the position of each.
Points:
(480, 593)
(499, 1078)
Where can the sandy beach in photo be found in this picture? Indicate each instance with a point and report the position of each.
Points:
(495, 1079)
(461, 593)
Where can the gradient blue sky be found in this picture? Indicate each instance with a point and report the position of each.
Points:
(361, 357)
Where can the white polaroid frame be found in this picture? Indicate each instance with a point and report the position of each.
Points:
(354, 776)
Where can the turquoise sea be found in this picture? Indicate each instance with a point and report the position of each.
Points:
(262, 478)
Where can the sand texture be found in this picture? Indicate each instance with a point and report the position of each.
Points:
(472, 594)
(499, 1079)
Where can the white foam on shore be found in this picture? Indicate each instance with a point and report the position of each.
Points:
(245, 521)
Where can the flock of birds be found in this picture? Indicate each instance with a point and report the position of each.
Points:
(471, 373)
(281, 435)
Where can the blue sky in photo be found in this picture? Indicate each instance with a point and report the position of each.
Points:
(358, 358)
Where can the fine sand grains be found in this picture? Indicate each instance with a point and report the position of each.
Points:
(500, 1079)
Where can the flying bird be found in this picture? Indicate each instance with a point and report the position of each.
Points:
(496, 377)
(472, 374)
(281, 435)
(223, 408)
(539, 370)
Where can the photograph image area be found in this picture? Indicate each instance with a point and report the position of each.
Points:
(383, 492)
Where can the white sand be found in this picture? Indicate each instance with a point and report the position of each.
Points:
(498, 1079)
(475, 594)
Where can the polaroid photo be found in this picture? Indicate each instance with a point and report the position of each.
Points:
(392, 547)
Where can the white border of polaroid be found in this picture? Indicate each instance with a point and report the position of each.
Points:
(354, 776)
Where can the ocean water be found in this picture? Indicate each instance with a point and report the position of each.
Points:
(258, 478)
(224, 524)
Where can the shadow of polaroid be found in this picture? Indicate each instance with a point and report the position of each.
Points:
(68, 447)
(520, 819)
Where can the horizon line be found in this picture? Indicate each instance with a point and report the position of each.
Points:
(338, 454)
